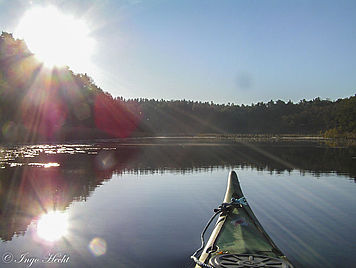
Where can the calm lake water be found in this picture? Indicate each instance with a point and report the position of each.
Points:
(145, 205)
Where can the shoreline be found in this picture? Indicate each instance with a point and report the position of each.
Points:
(205, 139)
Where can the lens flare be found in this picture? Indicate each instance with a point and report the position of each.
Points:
(98, 246)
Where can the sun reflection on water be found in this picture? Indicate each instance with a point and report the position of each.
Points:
(45, 165)
(52, 226)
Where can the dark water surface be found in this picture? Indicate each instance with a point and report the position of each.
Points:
(144, 205)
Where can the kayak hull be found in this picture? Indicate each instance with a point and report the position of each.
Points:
(239, 232)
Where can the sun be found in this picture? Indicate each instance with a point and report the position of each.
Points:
(56, 39)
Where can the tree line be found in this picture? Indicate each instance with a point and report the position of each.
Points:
(38, 104)
(275, 117)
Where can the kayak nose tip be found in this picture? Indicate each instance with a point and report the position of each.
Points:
(233, 174)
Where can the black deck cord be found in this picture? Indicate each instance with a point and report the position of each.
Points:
(224, 207)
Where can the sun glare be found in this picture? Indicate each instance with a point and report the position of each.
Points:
(52, 226)
(55, 38)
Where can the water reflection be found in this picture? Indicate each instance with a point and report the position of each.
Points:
(128, 222)
(52, 226)
(48, 182)
(35, 180)
(184, 157)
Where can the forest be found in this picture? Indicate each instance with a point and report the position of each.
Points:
(54, 105)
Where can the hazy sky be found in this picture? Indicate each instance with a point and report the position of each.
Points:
(222, 51)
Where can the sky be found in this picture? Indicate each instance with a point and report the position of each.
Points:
(237, 51)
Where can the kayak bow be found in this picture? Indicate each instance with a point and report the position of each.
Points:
(238, 239)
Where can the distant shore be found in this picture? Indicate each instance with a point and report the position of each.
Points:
(209, 139)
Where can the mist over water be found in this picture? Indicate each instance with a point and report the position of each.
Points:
(144, 204)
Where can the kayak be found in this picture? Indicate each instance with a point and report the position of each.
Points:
(238, 239)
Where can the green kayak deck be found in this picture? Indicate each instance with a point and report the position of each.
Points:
(239, 232)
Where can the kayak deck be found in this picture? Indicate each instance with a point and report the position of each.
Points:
(238, 231)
